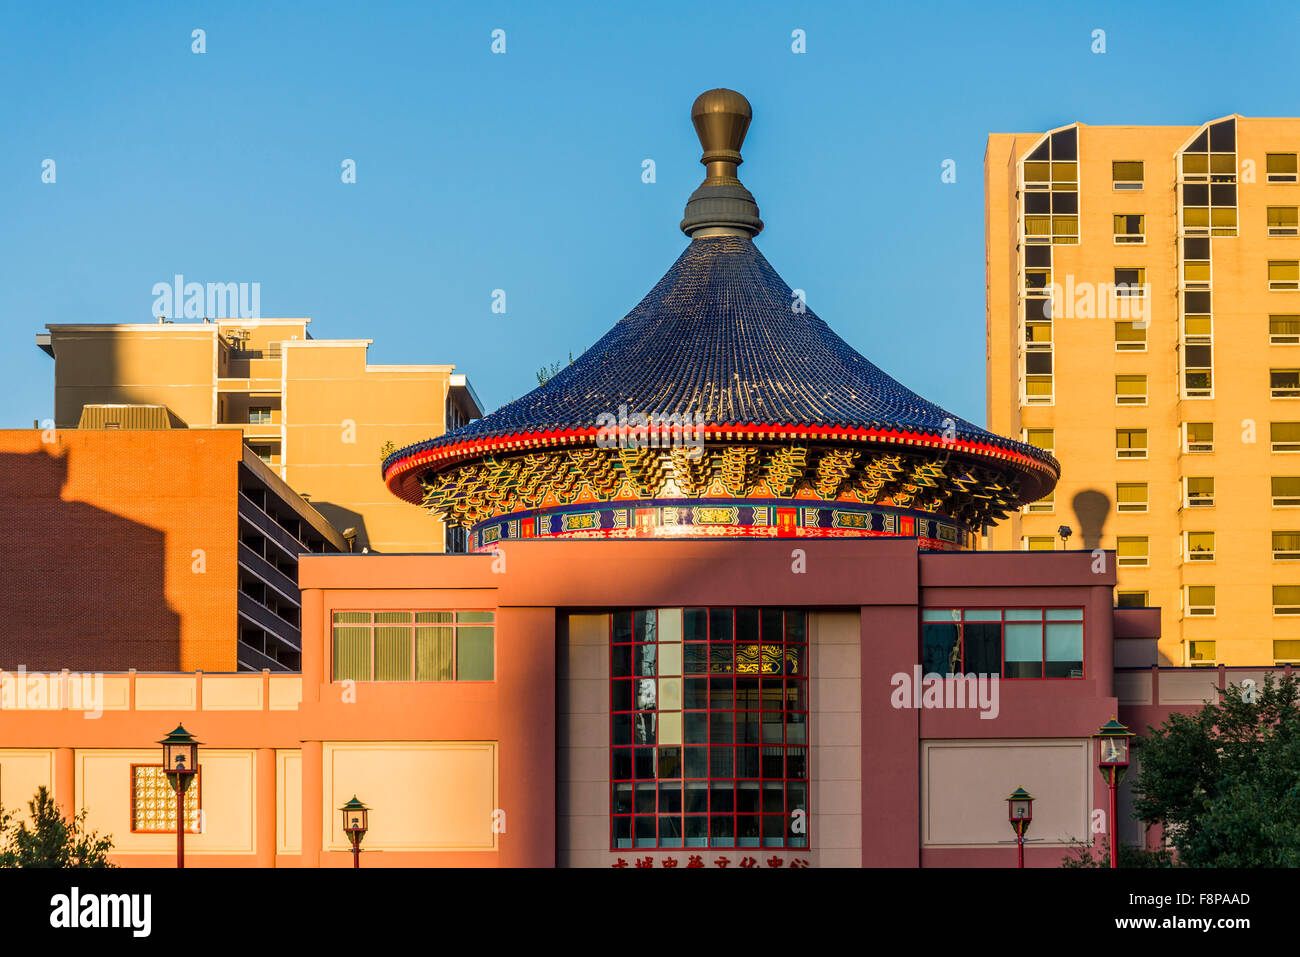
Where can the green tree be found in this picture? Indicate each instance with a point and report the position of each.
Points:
(49, 840)
(1225, 781)
(1083, 854)
(545, 375)
(385, 450)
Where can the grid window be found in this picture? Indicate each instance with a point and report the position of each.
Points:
(1200, 601)
(413, 645)
(1200, 654)
(1286, 491)
(1130, 228)
(1284, 383)
(1126, 174)
(1012, 642)
(1284, 330)
(1130, 390)
(1132, 551)
(708, 727)
(1284, 436)
(259, 415)
(1131, 599)
(1286, 546)
(1131, 497)
(1200, 546)
(1131, 443)
(1051, 190)
(1130, 281)
(1283, 221)
(1131, 335)
(153, 801)
(1283, 274)
(1281, 167)
(1200, 491)
(1286, 651)
(1208, 171)
(1199, 436)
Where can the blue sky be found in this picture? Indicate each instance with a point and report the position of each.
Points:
(522, 171)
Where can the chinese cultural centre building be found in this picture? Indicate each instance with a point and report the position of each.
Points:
(714, 561)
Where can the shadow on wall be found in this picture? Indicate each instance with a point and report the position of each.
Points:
(1091, 509)
(342, 519)
(83, 586)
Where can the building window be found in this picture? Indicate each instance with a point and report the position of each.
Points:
(1200, 654)
(1200, 492)
(1283, 221)
(1044, 439)
(1045, 504)
(1284, 436)
(1198, 436)
(413, 645)
(1286, 546)
(1200, 601)
(1131, 336)
(1286, 599)
(259, 415)
(1126, 174)
(1012, 642)
(1131, 497)
(1130, 390)
(1038, 543)
(1286, 491)
(1286, 651)
(1130, 228)
(1131, 599)
(1284, 330)
(1208, 175)
(1200, 546)
(1284, 383)
(1050, 196)
(153, 801)
(1132, 551)
(1283, 274)
(264, 452)
(1130, 281)
(708, 727)
(1131, 443)
(1281, 167)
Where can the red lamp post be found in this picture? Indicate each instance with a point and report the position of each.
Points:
(181, 764)
(356, 821)
(1020, 811)
(1114, 739)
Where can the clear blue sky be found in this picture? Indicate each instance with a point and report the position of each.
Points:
(523, 171)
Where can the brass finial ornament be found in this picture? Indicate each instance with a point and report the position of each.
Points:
(721, 206)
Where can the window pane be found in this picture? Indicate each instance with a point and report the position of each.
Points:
(433, 648)
(351, 654)
(983, 648)
(474, 657)
(940, 649)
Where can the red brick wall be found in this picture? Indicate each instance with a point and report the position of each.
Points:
(97, 556)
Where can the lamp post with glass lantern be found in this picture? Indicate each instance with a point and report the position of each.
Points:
(181, 764)
(356, 821)
(1020, 811)
(1114, 739)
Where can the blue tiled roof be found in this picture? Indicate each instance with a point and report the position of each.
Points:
(718, 334)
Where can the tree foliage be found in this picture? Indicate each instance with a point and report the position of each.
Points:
(47, 840)
(1225, 781)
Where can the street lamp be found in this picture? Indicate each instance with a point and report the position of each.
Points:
(1020, 811)
(356, 821)
(181, 764)
(1065, 531)
(1115, 739)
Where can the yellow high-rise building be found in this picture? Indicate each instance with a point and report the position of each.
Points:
(312, 409)
(1143, 323)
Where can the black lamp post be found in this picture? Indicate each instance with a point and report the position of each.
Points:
(1115, 739)
(1020, 811)
(356, 821)
(181, 764)
(1065, 531)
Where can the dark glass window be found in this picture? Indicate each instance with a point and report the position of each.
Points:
(1011, 642)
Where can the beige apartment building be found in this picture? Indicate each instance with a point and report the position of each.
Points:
(312, 409)
(1143, 322)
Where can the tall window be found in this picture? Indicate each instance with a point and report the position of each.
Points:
(709, 728)
(413, 645)
(1010, 642)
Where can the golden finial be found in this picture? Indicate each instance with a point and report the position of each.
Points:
(721, 205)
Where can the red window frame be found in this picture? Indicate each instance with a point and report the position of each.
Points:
(1002, 622)
(715, 660)
(195, 788)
